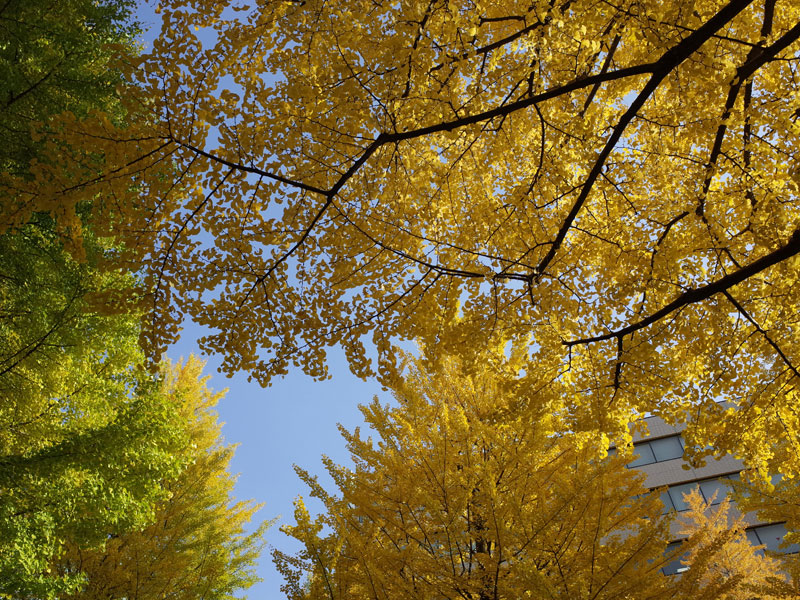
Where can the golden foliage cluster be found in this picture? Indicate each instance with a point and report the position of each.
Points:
(457, 494)
(611, 187)
(612, 183)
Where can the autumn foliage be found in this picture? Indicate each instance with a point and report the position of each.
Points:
(95, 449)
(457, 494)
(720, 561)
(196, 544)
(612, 183)
(611, 188)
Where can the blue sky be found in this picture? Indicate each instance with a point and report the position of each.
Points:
(292, 422)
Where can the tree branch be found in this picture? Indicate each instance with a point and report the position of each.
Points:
(791, 248)
(763, 332)
(670, 60)
(246, 169)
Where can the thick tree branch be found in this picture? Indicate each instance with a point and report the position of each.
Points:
(791, 248)
(670, 60)
(386, 138)
(528, 101)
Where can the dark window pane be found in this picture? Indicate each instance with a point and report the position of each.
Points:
(752, 537)
(676, 492)
(667, 448)
(772, 535)
(667, 502)
(645, 455)
(674, 566)
(714, 486)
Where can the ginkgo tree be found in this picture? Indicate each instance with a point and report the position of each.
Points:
(196, 545)
(456, 494)
(721, 561)
(91, 443)
(86, 435)
(55, 57)
(614, 183)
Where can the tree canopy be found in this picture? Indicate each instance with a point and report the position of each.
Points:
(91, 442)
(86, 435)
(195, 546)
(56, 58)
(611, 187)
(612, 183)
(456, 494)
(721, 561)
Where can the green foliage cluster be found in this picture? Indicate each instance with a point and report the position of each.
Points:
(196, 545)
(55, 57)
(93, 446)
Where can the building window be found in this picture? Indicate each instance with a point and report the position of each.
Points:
(713, 492)
(655, 451)
(771, 537)
(674, 567)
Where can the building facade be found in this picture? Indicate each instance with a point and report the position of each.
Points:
(660, 458)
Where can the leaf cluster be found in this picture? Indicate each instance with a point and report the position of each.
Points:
(195, 544)
(459, 496)
(92, 444)
(613, 184)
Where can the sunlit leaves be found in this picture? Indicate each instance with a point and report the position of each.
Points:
(86, 434)
(456, 493)
(720, 562)
(581, 177)
(196, 544)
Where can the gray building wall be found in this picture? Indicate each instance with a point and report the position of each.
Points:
(677, 471)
